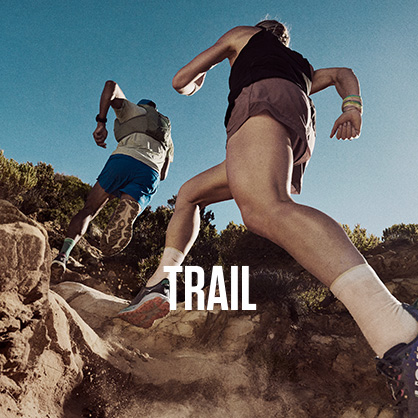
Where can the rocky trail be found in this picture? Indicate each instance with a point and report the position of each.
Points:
(65, 354)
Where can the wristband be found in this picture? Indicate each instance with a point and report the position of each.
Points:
(354, 101)
(353, 97)
(99, 119)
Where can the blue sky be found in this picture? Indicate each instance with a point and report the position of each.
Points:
(57, 55)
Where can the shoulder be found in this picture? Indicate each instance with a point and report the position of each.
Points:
(237, 38)
(237, 34)
(227, 46)
(129, 110)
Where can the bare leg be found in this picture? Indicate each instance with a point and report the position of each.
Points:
(96, 199)
(262, 147)
(206, 188)
(259, 166)
(152, 302)
(202, 190)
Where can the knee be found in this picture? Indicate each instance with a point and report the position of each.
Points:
(186, 197)
(85, 213)
(264, 219)
(253, 220)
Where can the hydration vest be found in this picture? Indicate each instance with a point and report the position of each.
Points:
(153, 124)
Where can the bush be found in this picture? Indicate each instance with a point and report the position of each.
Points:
(401, 231)
(148, 241)
(43, 193)
(39, 191)
(286, 293)
(313, 299)
(102, 219)
(65, 200)
(359, 238)
(238, 246)
(205, 252)
(15, 179)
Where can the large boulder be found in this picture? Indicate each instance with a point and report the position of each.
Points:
(44, 344)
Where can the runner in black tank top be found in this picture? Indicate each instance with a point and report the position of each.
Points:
(264, 56)
(257, 175)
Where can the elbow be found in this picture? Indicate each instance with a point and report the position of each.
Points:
(110, 88)
(110, 84)
(177, 83)
(180, 81)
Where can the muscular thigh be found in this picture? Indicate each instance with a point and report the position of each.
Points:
(259, 162)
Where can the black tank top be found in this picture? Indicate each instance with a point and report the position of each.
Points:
(264, 56)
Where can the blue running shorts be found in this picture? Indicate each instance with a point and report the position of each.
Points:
(125, 174)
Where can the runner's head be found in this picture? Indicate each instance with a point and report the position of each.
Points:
(147, 102)
(277, 28)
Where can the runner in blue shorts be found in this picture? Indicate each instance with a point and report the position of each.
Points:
(132, 173)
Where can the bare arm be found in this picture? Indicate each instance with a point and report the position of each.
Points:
(348, 125)
(112, 95)
(190, 78)
(164, 170)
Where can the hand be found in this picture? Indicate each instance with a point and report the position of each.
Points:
(100, 135)
(348, 125)
(193, 86)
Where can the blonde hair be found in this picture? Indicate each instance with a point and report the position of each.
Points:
(277, 28)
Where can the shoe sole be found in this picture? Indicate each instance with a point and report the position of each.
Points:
(118, 233)
(146, 313)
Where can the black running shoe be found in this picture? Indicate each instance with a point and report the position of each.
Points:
(400, 367)
(58, 266)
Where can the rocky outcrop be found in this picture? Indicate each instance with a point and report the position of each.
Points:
(44, 344)
(65, 354)
(25, 337)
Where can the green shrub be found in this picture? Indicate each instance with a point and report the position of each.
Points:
(39, 190)
(360, 239)
(205, 251)
(312, 299)
(43, 193)
(239, 246)
(401, 231)
(15, 179)
(66, 200)
(278, 288)
(102, 219)
(148, 241)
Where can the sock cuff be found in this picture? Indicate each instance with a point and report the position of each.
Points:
(67, 246)
(174, 251)
(69, 241)
(353, 274)
(173, 248)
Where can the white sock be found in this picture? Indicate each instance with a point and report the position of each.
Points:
(381, 317)
(171, 257)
